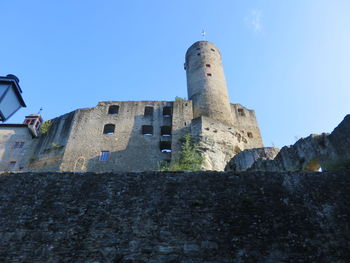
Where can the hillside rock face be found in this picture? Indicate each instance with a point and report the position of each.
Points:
(175, 217)
(325, 151)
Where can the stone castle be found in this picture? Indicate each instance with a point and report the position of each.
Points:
(139, 135)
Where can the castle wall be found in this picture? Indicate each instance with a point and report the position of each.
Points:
(245, 121)
(175, 217)
(182, 117)
(128, 148)
(15, 147)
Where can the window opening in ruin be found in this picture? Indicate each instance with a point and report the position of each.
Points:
(207, 65)
(165, 130)
(250, 135)
(12, 164)
(109, 129)
(209, 74)
(167, 112)
(185, 123)
(104, 156)
(212, 49)
(165, 146)
(18, 145)
(148, 111)
(147, 130)
(198, 54)
(241, 112)
(114, 109)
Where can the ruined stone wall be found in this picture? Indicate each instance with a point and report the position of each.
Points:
(48, 149)
(245, 121)
(175, 217)
(129, 149)
(15, 147)
(219, 142)
(182, 117)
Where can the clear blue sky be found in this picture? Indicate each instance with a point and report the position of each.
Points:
(288, 60)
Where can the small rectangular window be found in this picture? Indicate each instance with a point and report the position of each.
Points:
(212, 49)
(104, 156)
(250, 135)
(207, 65)
(241, 112)
(147, 130)
(165, 146)
(148, 111)
(198, 54)
(114, 109)
(209, 74)
(167, 111)
(165, 130)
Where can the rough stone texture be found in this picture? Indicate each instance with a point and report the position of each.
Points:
(175, 217)
(245, 159)
(313, 152)
(206, 84)
(10, 137)
(76, 139)
(218, 142)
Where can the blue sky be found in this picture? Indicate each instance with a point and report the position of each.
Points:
(288, 60)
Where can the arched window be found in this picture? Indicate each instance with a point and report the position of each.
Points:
(114, 109)
(109, 129)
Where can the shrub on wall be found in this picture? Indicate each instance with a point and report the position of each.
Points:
(190, 159)
(45, 127)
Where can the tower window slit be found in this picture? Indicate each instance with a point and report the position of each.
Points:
(241, 112)
(207, 65)
(209, 74)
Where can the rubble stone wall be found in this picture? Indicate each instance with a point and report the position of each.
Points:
(175, 217)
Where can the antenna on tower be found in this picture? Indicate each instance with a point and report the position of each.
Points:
(41, 108)
(203, 34)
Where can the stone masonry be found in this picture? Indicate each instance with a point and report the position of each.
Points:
(202, 217)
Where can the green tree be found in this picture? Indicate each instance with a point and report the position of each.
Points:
(189, 160)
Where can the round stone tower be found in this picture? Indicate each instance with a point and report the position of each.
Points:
(206, 84)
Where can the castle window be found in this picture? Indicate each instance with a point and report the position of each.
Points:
(241, 112)
(147, 130)
(167, 111)
(18, 145)
(104, 156)
(165, 146)
(250, 135)
(114, 109)
(165, 130)
(209, 74)
(198, 54)
(109, 129)
(212, 49)
(207, 65)
(148, 111)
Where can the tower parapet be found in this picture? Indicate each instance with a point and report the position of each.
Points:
(206, 84)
